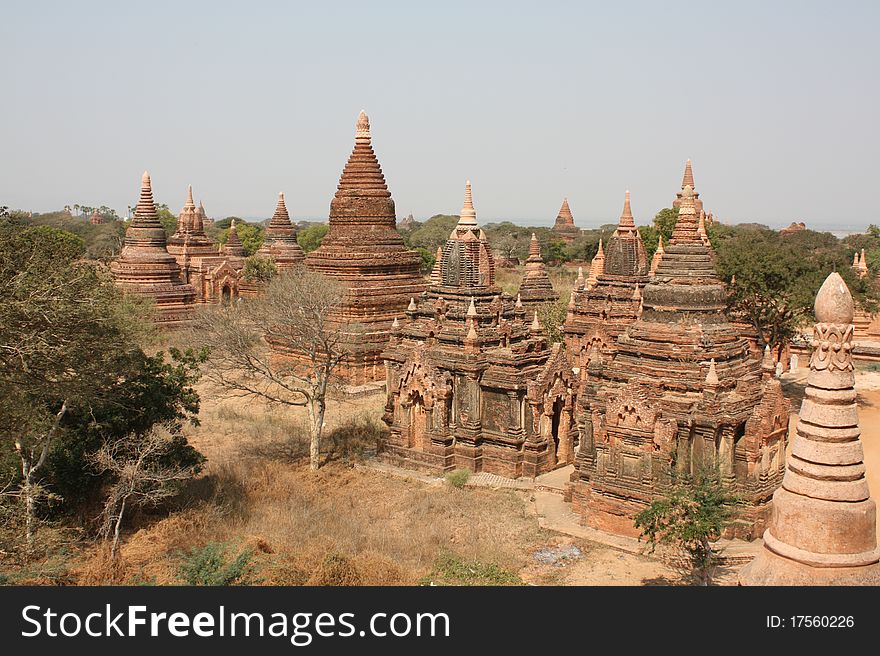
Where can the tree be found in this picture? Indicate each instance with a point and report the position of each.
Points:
(143, 473)
(259, 269)
(310, 238)
(692, 515)
(664, 222)
(295, 314)
(56, 309)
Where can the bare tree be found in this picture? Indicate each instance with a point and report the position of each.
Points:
(284, 347)
(143, 475)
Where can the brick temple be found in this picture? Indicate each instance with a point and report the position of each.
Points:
(364, 251)
(215, 272)
(146, 267)
(610, 299)
(681, 392)
(564, 228)
(471, 380)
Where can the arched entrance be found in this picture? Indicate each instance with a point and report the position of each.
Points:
(418, 424)
(226, 295)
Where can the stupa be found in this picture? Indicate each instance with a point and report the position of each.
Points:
(95, 218)
(681, 392)
(536, 288)
(364, 251)
(823, 527)
(564, 228)
(471, 379)
(146, 267)
(280, 243)
(611, 297)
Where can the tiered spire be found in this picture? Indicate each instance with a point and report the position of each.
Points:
(536, 286)
(686, 229)
(822, 531)
(688, 177)
(280, 244)
(658, 256)
(597, 267)
(468, 216)
(626, 223)
(564, 226)
(467, 259)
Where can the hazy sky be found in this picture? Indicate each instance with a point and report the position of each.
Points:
(776, 103)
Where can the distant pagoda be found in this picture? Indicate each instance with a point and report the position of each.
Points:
(536, 288)
(471, 379)
(364, 251)
(280, 243)
(564, 228)
(95, 218)
(146, 267)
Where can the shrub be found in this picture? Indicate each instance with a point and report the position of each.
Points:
(210, 566)
(451, 569)
(458, 478)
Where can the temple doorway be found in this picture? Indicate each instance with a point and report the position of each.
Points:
(418, 438)
(226, 295)
(559, 449)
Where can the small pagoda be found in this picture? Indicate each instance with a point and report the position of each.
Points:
(280, 244)
(146, 267)
(536, 288)
(823, 530)
(564, 228)
(364, 251)
(470, 377)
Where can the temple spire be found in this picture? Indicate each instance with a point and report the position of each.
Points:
(362, 129)
(145, 215)
(626, 217)
(468, 216)
(688, 177)
(658, 256)
(565, 211)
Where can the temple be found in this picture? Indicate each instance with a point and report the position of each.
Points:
(680, 392)
(280, 243)
(471, 380)
(215, 273)
(536, 289)
(95, 218)
(364, 251)
(610, 299)
(824, 522)
(146, 267)
(564, 228)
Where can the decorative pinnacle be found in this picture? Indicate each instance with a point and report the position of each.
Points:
(536, 325)
(660, 246)
(412, 304)
(712, 375)
(395, 324)
(472, 309)
(362, 130)
(600, 252)
(834, 303)
(767, 360)
(519, 302)
(626, 217)
(189, 196)
(468, 216)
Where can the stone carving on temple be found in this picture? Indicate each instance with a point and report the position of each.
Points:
(280, 243)
(678, 391)
(564, 228)
(364, 251)
(471, 380)
(823, 526)
(536, 288)
(214, 273)
(146, 267)
(610, 298)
